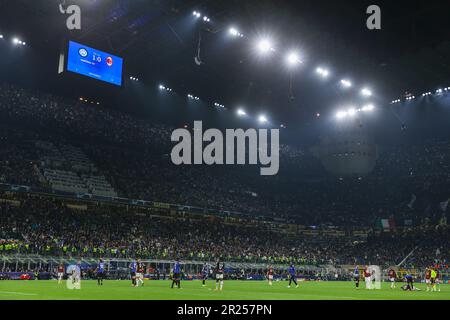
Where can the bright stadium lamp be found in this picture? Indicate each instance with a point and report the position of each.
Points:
(366, 92)
(341, 114)
(235, 32)
(368, 108)
(352, 112)
(346, 83)
(241, 113)
(262, 119)
(324, 73)
(264, 46)
(293, 59)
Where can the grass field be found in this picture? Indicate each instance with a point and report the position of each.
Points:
(192, 290)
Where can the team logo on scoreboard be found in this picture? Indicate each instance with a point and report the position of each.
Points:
(83, 52)
(109, 61)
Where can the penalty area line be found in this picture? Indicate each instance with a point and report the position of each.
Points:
(18, 293)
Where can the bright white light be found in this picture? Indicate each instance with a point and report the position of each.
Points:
(366, 92)
(196, 14)
(241, 113)
(262, 119)
(368, 108)
(346, 83)
(16, 41)
(264, 46)
(293, 59)
(162, 87)
(206, 19)
(352, 112)
(322, 72)
(24, 43)
(1, 36)
(341, 114)
(235, 32)
(439, 91)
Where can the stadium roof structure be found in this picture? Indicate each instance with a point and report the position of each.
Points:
(159, 40)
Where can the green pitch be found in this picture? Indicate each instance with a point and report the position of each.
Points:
(192, 290)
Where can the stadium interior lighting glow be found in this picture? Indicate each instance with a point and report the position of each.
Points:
(206, 19)
(197, 14)
(241, 113)
(368, 108)
(346, 83)
(235, 32)
(341, 114)
(265, 46)
(1, 36)
(439, 91)
(262, 119)
(366, 92)
(322, 72)
(293, 59)
(16, 41)
(352, 112)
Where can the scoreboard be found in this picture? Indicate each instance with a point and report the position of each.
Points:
(94, 63)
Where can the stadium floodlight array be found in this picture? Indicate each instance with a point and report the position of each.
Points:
(241, 113)
(134, 79)
(218, 105)
(196, 14)
(235, 32)
(264, 46)
(366, 92)
(1, 36)
(352, 112)
(346, 83)
(262, 119)
(163, 87)
(190, 96)
(324, 73)
(17, 41)
(293, 59)
(425, 94)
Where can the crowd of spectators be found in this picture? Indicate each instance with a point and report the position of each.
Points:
(409, 184)
(50, 226)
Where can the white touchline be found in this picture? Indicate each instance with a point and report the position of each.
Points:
(18, 293)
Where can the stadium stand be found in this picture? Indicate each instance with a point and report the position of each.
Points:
(193, 214)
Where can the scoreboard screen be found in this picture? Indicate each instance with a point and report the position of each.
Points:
(94, 63)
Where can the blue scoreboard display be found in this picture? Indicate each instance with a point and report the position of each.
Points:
(94, 63)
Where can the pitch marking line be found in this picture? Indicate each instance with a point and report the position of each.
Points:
(18, 293)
